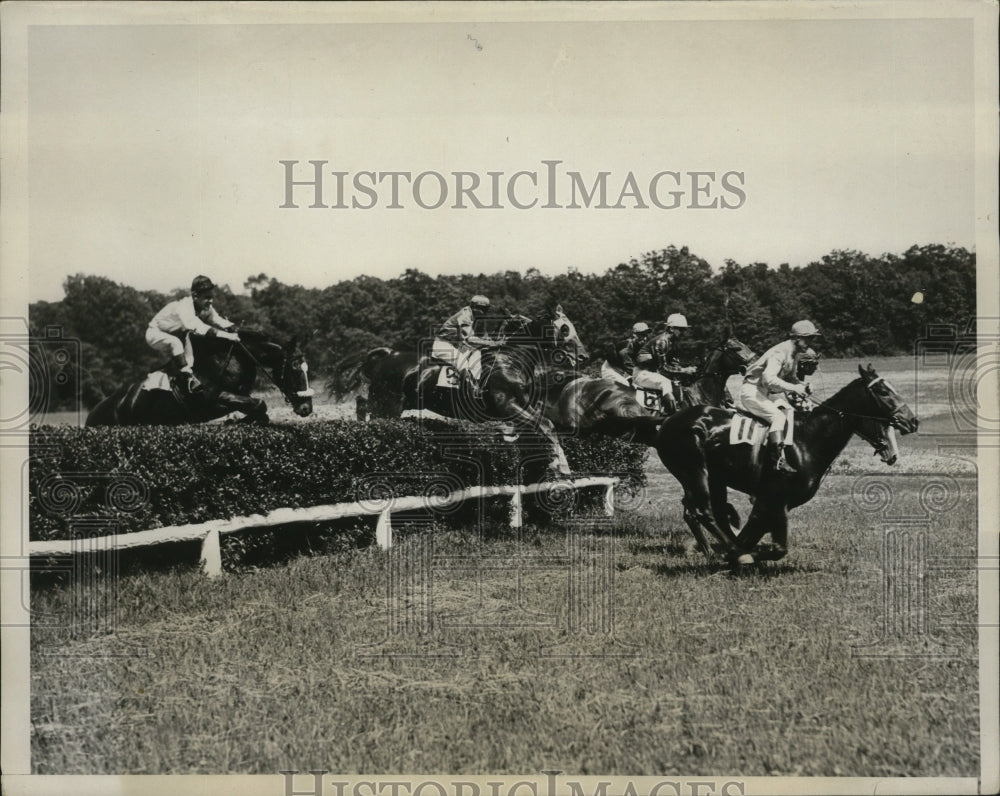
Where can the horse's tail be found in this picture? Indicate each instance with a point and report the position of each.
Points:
(372, 358)
(106, 412)
(353, 371)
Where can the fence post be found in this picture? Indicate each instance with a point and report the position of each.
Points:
(609, 500)
(383, 530)
(211, 554)
(516, 508)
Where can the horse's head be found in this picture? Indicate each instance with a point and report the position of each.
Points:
(556, 336)
(730, 358)
(566, 339)
(888, 403)
(292, 378)
(885, 412)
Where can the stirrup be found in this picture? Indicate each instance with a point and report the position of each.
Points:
(782, 465)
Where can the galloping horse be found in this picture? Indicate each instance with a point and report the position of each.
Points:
(707, 383)
(703, 451)
(590, 405)
(226, 371)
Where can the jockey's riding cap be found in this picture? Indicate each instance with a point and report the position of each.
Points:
(479, 301)
(804, 329)
(677, 321)
(640, 327)
(202, 284)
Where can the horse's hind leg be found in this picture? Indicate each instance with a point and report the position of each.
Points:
(691, 517)
(686, 461)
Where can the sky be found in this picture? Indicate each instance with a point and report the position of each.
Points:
(154, 150)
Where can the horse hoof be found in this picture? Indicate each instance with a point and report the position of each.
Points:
(770, 552)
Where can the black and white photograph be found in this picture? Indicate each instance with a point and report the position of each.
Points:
(500, 399)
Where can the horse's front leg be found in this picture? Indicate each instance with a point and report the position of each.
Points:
(766, 517)
(529, 422)
(254, 408)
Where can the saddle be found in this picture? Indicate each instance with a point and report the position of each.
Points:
(160, 379)
(748, 429)
(652, 399)
(448, 376)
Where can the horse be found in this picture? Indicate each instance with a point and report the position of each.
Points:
(706, 384)
(532, 360)
(698, 447)
(593, 405)
(378, 372)
(226, 370)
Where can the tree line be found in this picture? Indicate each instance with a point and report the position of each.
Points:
(863, 304)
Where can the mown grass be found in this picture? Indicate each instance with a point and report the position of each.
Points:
(494, 667)
(497, 666)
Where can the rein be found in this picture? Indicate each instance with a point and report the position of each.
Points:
(267, 372)
(844, 413)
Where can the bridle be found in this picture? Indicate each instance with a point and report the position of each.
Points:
(306, 393)
(721, 350)
(894, 416)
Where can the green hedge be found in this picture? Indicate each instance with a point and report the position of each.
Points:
(148, 477)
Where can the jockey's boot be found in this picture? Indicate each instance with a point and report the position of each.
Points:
(776, 453)
(181, 376)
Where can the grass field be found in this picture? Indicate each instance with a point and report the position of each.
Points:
(594, 646)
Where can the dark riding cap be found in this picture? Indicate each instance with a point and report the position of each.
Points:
(202, 284)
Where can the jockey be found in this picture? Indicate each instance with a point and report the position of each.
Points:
(194, 314)
(776, 373)
(621, 360)
(652, 362)
(458, 344)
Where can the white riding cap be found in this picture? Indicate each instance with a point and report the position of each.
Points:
(479, 301)
(640, 327)
(677, 321)
(804, 329)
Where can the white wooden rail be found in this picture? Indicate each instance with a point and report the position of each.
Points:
(209, 532)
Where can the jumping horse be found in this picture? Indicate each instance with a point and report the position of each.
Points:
(226, 371)
(698, 446)
(531, 359)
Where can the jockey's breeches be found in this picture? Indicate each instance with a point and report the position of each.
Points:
(168, 344)
(759, 402)
(461, 357)
(651, 380)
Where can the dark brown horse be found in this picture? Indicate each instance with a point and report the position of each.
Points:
(227, 371)
(377, 376)
(695, 446)
(708, 383)
(704, 384)
(532, 360)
